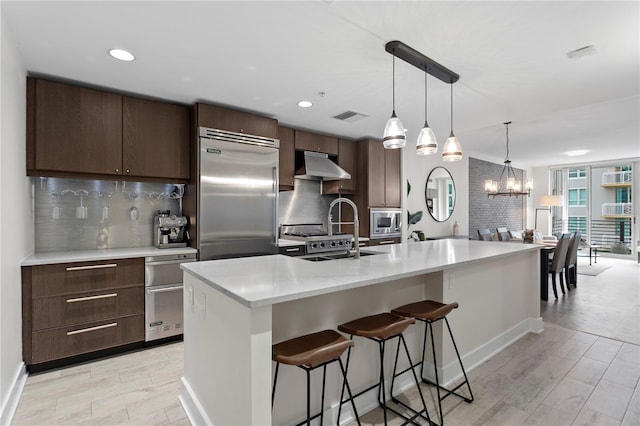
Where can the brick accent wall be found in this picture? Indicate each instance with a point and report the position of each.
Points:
(492, 212)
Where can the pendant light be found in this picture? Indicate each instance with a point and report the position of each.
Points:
(394, 134)
(427, 143)
(452, 150)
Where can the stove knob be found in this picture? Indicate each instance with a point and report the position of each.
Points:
(321, 245)
(314, 245)
(340, 242)
(332, 244)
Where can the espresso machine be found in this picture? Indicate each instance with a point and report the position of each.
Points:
(170, 230)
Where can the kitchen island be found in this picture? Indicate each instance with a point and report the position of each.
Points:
(235, 309)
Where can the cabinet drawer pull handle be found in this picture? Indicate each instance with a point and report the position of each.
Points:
(84, 268)
(292, 249)
(386, 242)
(151, 290)
(100, 296)
(98, 327)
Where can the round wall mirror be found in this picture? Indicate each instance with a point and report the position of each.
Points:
(440, 194)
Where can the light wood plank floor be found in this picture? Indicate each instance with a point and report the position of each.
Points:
(567, 375)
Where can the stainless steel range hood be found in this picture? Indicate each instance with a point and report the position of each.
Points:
(318, 165)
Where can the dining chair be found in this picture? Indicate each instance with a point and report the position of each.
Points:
(570, 267)
(484, 234)
(558, 261)
(503, 234)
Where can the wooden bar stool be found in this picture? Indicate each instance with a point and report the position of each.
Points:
(310, 352)
(381, 328)
(429, 312)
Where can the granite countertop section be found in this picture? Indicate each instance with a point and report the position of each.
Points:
(106, 254)
(266, 280)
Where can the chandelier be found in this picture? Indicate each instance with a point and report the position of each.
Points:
(511, 186)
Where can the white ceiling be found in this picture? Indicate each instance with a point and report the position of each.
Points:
(266, 56)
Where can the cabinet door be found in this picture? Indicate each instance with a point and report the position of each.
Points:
(155, 139)
(287, 158)
(306, 141)
(392, 177)
(236, 121)
(347, 161)
(77, 129)
(376, 174)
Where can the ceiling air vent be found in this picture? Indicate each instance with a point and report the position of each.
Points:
(350, 116)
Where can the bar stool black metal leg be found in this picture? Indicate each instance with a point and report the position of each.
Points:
(382, 403)
(466, 379)
(275, 380)
(353, 404)
(435, 368)
(344, 383)
(309, 397)
(324, 381)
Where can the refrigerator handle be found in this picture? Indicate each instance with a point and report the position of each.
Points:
(276, 187)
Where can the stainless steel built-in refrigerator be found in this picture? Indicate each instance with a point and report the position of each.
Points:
(238, 199)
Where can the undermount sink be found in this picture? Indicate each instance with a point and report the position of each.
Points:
(323, 257)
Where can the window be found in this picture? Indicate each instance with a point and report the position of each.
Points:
(623, 195)
(577, 223)
(577, 173)
(577, 197)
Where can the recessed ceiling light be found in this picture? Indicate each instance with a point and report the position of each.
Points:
(304, 104)
(122, 55)
(576, 153)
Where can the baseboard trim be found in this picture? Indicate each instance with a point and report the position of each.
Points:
(191, 404)
(10, 404)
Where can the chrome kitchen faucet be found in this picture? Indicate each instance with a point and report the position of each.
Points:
(356, 223)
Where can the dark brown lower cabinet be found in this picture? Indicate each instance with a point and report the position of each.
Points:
(71, 309)
(61, 342)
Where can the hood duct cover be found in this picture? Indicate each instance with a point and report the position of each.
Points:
(318, 165)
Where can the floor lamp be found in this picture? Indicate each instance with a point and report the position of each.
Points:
(548, 201)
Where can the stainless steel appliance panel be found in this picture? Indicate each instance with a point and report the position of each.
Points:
(163, 311)
(385, 223)
(237, 209)
(163, 303)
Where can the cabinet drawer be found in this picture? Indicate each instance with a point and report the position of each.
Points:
(298, 250)
(62, 342)
(57, 311)
(81, 277)
(383, 241)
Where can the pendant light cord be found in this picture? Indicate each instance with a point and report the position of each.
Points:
(451, 107)
(425, 96)
(393, 82)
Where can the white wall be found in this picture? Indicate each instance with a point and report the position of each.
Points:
(16, 238)
(541, 187)
(415, 169)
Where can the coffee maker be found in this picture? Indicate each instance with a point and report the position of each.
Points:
(170, 230)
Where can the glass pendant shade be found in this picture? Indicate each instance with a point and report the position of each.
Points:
(394, 134)
(427, 143)
(452, 150)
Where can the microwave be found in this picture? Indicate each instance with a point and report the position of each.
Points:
(385, 223)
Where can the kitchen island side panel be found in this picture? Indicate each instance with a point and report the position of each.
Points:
(227, 357)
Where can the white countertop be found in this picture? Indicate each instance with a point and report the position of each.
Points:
(88, 255)
(265, 280)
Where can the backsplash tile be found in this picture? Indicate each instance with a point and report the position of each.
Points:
(127, 220)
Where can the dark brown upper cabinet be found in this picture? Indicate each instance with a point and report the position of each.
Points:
(287, 156)
(75, 129)
(155, 138)
(347, 161)
(306, 141)
(79, 132)
(235, 121)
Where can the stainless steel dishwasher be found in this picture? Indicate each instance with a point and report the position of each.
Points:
(163, 311)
